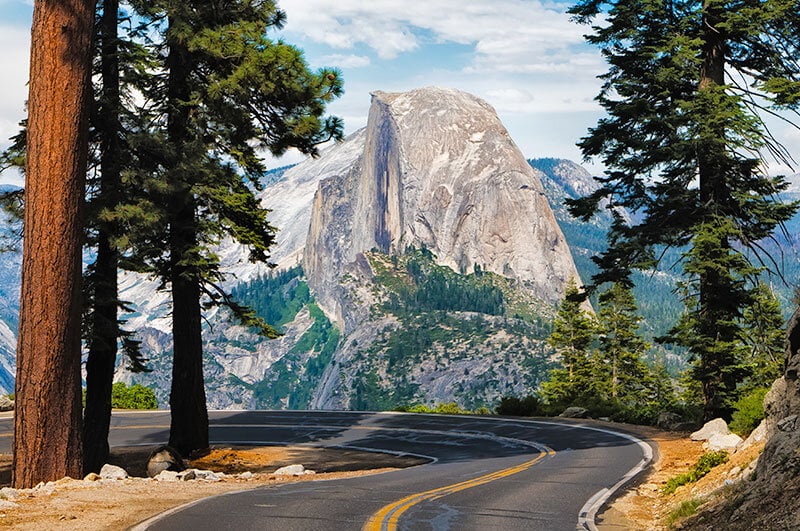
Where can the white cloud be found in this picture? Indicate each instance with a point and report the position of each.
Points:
(345, 61)
(507, 35)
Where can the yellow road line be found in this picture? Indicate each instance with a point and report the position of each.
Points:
(387, 517)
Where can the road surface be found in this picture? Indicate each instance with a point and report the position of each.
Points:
(484, 473)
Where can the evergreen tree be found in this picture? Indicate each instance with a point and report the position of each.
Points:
(765, 336)
(47, 420)
(620, 345)
(686, 87)
(574, 332)
(227, 90)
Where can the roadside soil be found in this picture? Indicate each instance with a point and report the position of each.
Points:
(645, 506)
(71, 504)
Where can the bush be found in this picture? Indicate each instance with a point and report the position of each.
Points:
(703, 466)
(530, 406)
(134, 397)
(748, 412)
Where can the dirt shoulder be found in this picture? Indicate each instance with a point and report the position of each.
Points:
(645, 506)
(119, 504)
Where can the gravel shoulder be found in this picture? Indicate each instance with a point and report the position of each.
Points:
(70, 504)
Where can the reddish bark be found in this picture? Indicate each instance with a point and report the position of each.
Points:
(47, 426)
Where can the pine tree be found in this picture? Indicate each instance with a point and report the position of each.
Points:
(47, 435)
(620, 346)
(686, 87)
(227, 89)
(765, 335)
(574, 332)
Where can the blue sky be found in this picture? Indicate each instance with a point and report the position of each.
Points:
(525, 57)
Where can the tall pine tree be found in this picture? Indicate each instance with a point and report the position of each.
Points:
(574, 333)
(621, 348)
(227, 90)
(687, 86)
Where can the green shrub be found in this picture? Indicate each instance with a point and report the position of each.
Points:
(748, 412)
(450, 408)
(134, 397)
(703, 466)
(530, 406)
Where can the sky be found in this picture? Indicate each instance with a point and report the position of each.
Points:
(525, 57)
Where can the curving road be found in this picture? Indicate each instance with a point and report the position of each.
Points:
(485, 472)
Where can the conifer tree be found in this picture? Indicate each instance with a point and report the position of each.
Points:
(687, 86)
(47, 420)
(765, 336)
(620, 346)
(227, 90)
(574, 332)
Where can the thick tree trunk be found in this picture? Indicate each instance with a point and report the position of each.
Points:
(47, 424)
(187, 399)
(102, 358)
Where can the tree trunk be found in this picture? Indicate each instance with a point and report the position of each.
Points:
(102, 358)
(187, 399)
(47, 424)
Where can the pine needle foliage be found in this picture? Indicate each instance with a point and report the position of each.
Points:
(685, 143)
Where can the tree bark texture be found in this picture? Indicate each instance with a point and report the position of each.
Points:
(189, 416)
(47, 424)
(102, 357)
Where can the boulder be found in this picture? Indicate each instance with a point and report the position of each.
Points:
(164, 458)
(711, 428)
(758, 435)
(92, 476)
(575, 413)
(113, 472)
(727, 442)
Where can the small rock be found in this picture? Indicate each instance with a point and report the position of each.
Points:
(91, 476)
(208, 475)
(728, 442)
(246, 475)
(575, 413)
(5, 504)
(735, 471)
(113, 472)
(7, 493)
(604, 419)
(291, 470)
(165, 458)
(188, 475)
(712, 427)
(167, 475)
(308, 472)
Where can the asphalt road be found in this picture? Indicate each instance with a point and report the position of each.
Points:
(485, 473)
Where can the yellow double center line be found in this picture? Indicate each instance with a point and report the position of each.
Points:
(387, 517)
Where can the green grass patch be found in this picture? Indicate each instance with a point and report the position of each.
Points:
(684, 510)
(703, 466)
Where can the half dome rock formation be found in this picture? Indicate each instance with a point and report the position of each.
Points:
(438, 170)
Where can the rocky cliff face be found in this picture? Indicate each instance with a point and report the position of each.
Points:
(438, 170)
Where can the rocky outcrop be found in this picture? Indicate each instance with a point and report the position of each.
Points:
(438, 170)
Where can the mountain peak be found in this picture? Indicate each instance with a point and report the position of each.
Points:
(438, 170)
